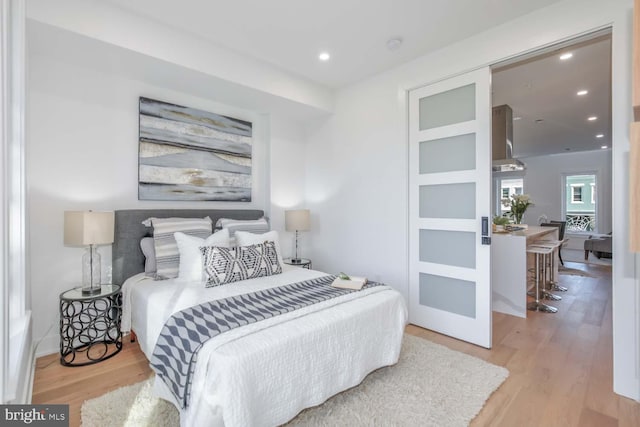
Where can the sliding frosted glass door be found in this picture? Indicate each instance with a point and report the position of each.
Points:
(449, 193)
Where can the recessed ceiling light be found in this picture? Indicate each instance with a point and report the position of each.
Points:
(517, 118)
(592, 118)
(324, 56)
(566, 56)
(604, 147)
(600, 135)
(582, 92)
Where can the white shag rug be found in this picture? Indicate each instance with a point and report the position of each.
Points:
(430, 385)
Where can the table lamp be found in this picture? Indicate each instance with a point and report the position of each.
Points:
(297, 220)
(88, 228)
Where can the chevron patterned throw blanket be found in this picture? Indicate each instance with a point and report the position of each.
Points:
(174, 356)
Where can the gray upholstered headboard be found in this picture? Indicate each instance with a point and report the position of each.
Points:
(127, 258)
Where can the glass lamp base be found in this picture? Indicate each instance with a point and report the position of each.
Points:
(91, 271)
(296, 260)
(91, 290)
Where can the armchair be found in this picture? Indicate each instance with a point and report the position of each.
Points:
(601, 246)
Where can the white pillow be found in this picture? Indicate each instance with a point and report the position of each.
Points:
(190, 266)
(244, 238)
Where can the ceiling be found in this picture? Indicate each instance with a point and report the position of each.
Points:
(291, 33)
(544, 88)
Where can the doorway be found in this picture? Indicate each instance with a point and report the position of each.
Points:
(560, 100)
(558, 104)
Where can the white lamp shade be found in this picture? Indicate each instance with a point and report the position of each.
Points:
(83, 228)
(297, 220)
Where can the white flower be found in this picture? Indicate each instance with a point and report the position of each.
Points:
(518, 204)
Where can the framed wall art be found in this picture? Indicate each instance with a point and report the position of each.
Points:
(188, 154)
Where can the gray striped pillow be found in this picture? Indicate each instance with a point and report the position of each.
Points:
(167, 254)
(257, 226)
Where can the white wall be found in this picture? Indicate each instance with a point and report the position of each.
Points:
(544, 182)
(99, 20)
(357, 159)
(287, 172)
(83, 154)
(357, 186)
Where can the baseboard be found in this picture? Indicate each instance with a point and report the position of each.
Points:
(47, 345)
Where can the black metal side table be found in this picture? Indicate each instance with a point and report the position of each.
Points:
(90, 325)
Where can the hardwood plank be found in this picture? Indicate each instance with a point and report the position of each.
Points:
(561, 365)
(591, 418)
(54, 383)
(628, 413)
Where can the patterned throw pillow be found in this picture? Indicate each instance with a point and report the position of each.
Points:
(167, 254)
(226, 265)
(244, 238)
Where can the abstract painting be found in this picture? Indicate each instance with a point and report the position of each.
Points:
(192, 155)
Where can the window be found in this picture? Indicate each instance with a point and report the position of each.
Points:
(576, 193)
(509, 187)
(580, 206)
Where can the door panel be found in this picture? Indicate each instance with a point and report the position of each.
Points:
(449, 107)
(455, 153)
(449, 193)
(456, 248)
(448, 200)
(449, 294)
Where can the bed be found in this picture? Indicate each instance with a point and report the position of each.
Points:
(264, 373)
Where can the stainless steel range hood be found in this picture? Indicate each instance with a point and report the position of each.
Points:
(507, 165)
(502, 141)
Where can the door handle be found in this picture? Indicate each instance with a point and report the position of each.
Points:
(486, 240)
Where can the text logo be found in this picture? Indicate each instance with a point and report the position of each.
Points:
(34, 415)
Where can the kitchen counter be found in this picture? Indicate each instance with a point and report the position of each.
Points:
(509, 263)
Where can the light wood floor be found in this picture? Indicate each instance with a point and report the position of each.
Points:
(560, 365)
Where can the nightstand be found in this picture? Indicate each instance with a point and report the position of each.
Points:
(304, 263)
(90, 325)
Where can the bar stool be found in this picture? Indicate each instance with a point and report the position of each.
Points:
(556, 245)
(540, 252)
(554, 286)
(549, 266)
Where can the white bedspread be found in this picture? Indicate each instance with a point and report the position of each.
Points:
(263, 374)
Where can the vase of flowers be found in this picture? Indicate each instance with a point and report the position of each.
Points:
(518, 203)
